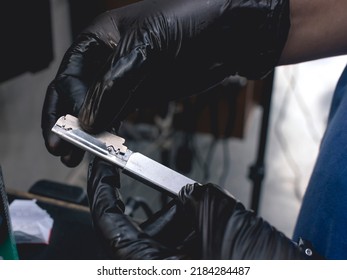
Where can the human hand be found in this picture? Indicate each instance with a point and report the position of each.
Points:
(126, 239)
(154, 51)
(66, 93)
(204, 222)
(228, 230)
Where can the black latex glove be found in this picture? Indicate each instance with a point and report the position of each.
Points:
(126, 239)
(229, 231)
(204, 222)
(159, 50)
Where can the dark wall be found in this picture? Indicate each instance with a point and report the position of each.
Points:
(26, 37)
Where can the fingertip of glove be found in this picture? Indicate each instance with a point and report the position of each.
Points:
(54, 144)
(189, 191)
(73, 159)
(88, 125)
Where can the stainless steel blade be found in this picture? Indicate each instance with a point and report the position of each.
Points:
(110, 147)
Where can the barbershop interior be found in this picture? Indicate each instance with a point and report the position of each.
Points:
(257, 139)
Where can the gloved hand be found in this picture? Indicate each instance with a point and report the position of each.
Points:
(159, 50)
(205, 222)
(228, 231)
(126, 239)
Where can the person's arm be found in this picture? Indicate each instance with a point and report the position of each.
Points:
(318, 30)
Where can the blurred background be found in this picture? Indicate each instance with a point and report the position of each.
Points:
(258, 139)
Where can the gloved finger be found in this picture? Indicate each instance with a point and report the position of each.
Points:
(103, 188)
(193, 197)
(70, 155)
(121, 75)
(209, 207)
(171, 218)
(73, 158)
(126, 240)
(50, 115)
(67, 91)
